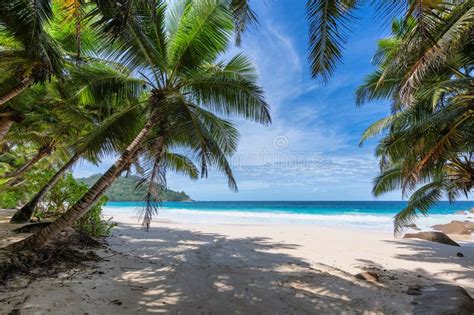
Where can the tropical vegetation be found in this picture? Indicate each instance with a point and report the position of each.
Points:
(149, 86)
(331, 23)
(425, 70)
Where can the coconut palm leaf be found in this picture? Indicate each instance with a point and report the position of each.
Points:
(204, 30)
(329, 25)
(111, 135)
(420, 202)
(447, 39)
(244, 17)
(230, 89)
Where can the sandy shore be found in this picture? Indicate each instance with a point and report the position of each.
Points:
(190, 268)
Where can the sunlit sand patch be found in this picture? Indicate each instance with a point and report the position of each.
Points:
(222, 284)
(145, 276)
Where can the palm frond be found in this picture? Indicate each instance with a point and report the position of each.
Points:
(112, 135)
(375, 89)
(445, 42)
(378, 127)
(388, 180)
(181, 164)
(244, 17)
(204, 31)
(329, 24)
(229, 89)
(421, 201)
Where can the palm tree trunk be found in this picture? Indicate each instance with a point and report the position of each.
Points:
(42, 152)
(24, 214)
(81, 207)
(16, 90)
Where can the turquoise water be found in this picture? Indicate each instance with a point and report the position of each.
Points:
(302, 207)
(365, 215)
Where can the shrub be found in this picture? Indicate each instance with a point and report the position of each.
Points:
(65, 194)
(93, 224)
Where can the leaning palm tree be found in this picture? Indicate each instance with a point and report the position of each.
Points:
(106, 138)
(175, 49)
(92, 89)
(48, 125)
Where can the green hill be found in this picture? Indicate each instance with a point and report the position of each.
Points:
(124, 189)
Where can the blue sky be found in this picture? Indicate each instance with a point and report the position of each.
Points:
(311, 151)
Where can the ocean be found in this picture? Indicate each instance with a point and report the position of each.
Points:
(359, 215)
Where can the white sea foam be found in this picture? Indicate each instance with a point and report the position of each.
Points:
(359, 221)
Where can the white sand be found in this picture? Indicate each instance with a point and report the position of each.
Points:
(199, 268)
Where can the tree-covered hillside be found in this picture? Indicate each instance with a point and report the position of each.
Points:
(124, 189)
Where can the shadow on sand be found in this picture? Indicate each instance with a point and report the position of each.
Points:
(173, 270)
(428, 252)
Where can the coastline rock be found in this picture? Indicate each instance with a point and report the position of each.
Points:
(368, 276)
(461, 212)
(437, 237)
(472, 210)
(444, 299)
(455, 227)
(412, 226)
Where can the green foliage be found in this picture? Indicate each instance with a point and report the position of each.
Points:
(8, 200)
(11, 197)
(125, 189)
(330, 21)
(65, 194)
(159, 62)
(427, 148)
(191, 95)
(93, 224)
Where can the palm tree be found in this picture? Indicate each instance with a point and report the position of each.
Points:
(98, 134)
(35, 48)
(174, 48)
(46, 126)
(104, 139)
(330, 22)
(429, 146)
(29, 53)
(89, 87)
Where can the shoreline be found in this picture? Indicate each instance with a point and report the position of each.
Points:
(356, 221)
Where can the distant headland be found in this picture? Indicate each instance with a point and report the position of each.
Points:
(125, 189)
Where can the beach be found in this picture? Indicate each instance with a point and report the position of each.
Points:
(216, 268)
(236, 157)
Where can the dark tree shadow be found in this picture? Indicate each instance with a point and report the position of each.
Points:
(183, 271)
(427, 252)
(430, 252)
